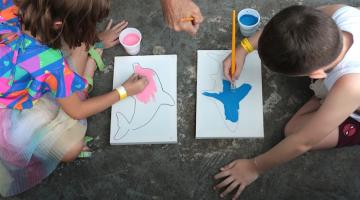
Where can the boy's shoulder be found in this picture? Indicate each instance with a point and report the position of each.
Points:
(331, 9)
(350, 83)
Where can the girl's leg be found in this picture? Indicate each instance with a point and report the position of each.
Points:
(91, 65)
(73, 153)
(84, 64)
(302, 116)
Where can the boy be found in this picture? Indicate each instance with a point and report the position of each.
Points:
(319, 43)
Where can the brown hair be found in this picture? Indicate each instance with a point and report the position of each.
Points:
(78, 17)
(299, 40)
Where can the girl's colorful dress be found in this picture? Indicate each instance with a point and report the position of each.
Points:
(34, 132)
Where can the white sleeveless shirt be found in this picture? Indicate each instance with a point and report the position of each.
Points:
(348, 19)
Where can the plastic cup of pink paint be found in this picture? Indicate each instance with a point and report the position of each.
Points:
(130, 39)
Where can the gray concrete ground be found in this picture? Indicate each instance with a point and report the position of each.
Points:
(184, 171)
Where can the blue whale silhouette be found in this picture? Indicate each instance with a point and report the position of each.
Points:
(231, 98)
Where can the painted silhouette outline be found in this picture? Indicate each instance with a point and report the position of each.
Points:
(230, 98)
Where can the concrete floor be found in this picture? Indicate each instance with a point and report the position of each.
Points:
(184, 171)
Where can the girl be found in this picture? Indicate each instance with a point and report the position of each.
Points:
(42, 96)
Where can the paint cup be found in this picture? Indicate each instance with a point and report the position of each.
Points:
(130, 39)
(249, 21)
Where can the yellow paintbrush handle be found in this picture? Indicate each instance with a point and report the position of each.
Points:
(233, 44)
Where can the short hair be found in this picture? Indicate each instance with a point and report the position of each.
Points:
(78, 17)
(299, 40)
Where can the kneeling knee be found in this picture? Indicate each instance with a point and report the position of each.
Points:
(73, 153)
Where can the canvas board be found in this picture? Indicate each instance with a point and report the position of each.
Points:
(221, 113)
(149, 117)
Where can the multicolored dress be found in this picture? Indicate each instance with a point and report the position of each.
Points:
(34, 132)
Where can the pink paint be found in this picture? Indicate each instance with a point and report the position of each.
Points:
(131, 39)
(150, 90)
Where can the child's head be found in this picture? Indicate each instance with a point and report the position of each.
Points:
(74, 21)
(300, 40)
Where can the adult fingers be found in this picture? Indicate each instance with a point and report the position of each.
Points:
(224, 183)
(198, 18)
(196, 27)
(187, 27)
(238, 192)
(229, 189)
(222, 174)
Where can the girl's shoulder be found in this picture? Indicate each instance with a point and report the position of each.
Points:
(8, 11)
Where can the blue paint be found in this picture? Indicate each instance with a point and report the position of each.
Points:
(248, 20)
(231, 99)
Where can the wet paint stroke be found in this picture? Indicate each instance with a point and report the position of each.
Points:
(151, 89)
(231, 99)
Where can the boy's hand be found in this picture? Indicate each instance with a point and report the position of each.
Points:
(110, 36)
(174, 10)
(239, 62)
(237, 175)
(135, 84)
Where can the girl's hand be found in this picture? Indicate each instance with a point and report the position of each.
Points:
(110, 36)
(135, 84)
(237, 175)
(239, 62)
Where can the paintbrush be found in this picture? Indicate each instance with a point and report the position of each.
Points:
(187, 19)
(233, 47)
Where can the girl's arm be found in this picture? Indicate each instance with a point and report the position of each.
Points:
(78, 109)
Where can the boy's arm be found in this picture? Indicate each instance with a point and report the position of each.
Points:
(254, 40)
(342, 100)
(240, 57)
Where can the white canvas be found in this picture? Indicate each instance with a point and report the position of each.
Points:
(211, 120)
(135, 121)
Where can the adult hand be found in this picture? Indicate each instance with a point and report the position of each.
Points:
(237, 175)
(110, 36)
(175, 10)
